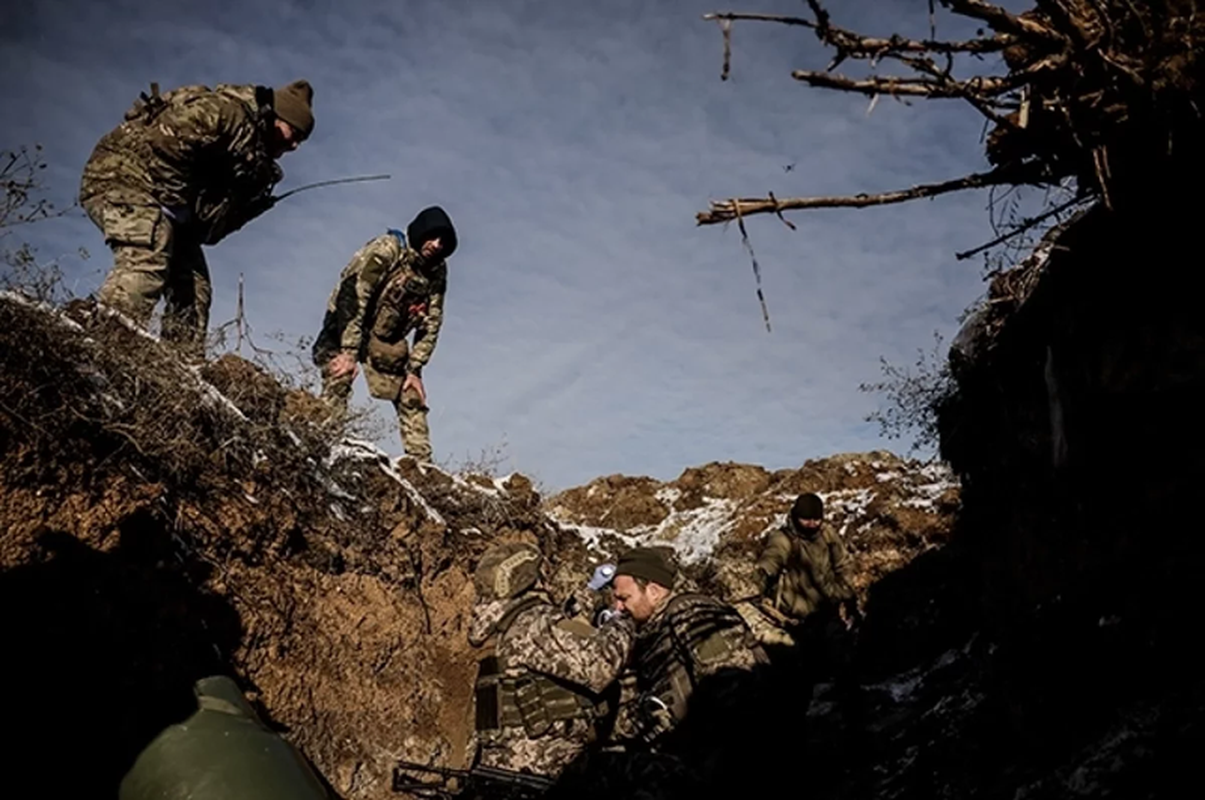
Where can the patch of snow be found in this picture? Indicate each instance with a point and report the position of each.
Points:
(592, 536)
(338, 512)
(413, 493)
(692, 533)
(846, 502)
(850, 469)
(902, 687)
(43, 306)
(251, 499)
(332, 487)
(939, 472)
(890, 475)
(210, 393)
(492, 491)
(668, 495)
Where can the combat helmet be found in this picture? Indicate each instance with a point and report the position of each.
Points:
(507, 570)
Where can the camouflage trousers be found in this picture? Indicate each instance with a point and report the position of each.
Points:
(152, 259)
(411, 412)
(512, 749)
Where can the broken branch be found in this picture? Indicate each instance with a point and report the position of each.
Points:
(1002, 21)
(863, 46)
(1023, 226)
(726, 210)
(917, 87)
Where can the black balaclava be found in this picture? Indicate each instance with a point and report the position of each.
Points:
(807, 506)
(431, 222)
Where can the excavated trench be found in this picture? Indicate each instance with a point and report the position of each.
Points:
(1028, 635)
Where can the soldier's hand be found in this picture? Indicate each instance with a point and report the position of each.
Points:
(415, 383)
(343, 364)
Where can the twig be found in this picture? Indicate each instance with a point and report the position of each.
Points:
(726, 28)
(740, 223)
(240, 317)
(778, 211)
(1101, 163)
(1025, 225)
(417, 564)
(726, 210)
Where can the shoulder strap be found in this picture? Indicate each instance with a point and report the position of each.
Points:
(576, 626)
(531, 601)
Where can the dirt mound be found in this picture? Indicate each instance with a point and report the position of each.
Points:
(157, 529)
(888, 509)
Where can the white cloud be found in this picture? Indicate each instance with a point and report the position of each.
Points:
(589, 321)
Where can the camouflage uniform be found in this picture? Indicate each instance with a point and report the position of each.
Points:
(538, 692)
(384, 293)
(807, 571)
(690, 637)
(808, 577)
(181, 171)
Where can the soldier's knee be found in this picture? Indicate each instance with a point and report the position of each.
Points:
(132, 293)
(412, 402)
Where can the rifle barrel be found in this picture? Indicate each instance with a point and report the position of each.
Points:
(331, 183)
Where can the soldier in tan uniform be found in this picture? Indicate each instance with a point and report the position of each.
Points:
(541, 672)
(183, 170)
(807, 580)
(682, 638)
(805, 567)
(393, 286)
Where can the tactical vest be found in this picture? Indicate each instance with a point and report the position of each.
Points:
(528, 700)
(689, 638)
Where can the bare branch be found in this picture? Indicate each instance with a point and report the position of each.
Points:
(1022, 226)
(863, 46)
(916, 87)
(726, 210)
(740, 222)
(1002, 21)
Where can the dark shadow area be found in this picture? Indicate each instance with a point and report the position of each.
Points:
(101, 650)
(933, 699)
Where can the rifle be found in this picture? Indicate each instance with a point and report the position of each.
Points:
(278, 198)
(451, 783)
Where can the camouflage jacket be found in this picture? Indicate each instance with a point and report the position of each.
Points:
(690, 637)
(542, 639)
(382, 296)
(201, 154)
(802, 573)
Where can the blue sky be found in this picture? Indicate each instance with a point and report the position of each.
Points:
(591, 326)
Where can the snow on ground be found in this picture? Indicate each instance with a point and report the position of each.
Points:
(692, 533)
(360, 450)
